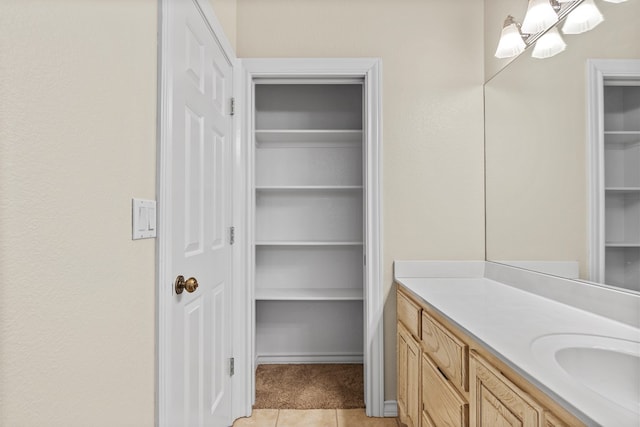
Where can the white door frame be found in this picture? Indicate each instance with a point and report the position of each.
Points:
(597, 71)
(370, 69)
(163, 194)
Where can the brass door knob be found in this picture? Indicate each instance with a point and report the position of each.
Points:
(191, 284)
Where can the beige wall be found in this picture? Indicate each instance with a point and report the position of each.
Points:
(77, 141)
(226, 12)
(432, 101)
(536, 131)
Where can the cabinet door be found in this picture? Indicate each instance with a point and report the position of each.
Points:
(408, 378)
(496, 402)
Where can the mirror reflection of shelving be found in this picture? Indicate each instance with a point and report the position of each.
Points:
(309, 244)
(622, 183)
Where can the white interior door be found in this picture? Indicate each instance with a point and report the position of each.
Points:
(200, 76)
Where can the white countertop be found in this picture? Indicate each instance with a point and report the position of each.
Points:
(507, 320)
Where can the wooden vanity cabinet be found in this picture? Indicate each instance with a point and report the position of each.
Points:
(408, 378)
(551, 420)
(448, 353)
(409, 396)
(409, 314)
(444, 375)
(497, 401)
(442, 404)
(447, 379)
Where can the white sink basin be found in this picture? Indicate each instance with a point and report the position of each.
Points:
(608, 367)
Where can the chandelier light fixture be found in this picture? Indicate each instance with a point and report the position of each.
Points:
(540, 16)
(550, 44)
(583, 18)
(539, 26)
(511, 42)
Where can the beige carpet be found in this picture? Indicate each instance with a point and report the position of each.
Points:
(309, 386)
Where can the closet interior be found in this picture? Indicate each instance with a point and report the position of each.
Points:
(308, 219)
(622, 183)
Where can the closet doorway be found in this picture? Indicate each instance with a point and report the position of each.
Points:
(314, 240)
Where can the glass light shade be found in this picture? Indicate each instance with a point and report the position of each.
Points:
(540, 16)
(511, 43)
(583, 18)
(615, 1)
(549, 44)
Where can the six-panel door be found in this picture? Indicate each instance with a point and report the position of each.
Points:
(200, 146)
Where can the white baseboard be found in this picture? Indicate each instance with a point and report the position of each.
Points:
(266, 359)
(390, 408)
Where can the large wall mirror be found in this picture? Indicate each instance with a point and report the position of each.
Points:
(537, 151)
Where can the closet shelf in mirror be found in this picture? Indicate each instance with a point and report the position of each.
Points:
(622, 244)
(622, 189)
(306, 187)
(307, 243)
(301, 294)
(621, 137)
(283, 138)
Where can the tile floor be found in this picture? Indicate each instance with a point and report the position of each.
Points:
(313, 418)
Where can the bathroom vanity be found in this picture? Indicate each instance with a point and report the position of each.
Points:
(484, 344)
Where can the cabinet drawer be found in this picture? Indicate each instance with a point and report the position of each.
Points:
(448, 352)
(442, 404)
(497, 401)
(409, 314)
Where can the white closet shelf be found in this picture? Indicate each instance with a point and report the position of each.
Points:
(623, 189)
(306, 187)
(621, 137)
(325, 294)
(622, 244)
(308, 137)
(306, 243)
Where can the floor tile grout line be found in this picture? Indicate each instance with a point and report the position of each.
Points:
(336, 418)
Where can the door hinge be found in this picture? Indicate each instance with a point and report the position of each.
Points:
(364, 259)
(232, 368)
(232, 235)
(232, 107)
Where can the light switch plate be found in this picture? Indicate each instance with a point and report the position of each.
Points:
(143, 215)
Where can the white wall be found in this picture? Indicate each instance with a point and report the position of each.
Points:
(77, 141)
(433, 122)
